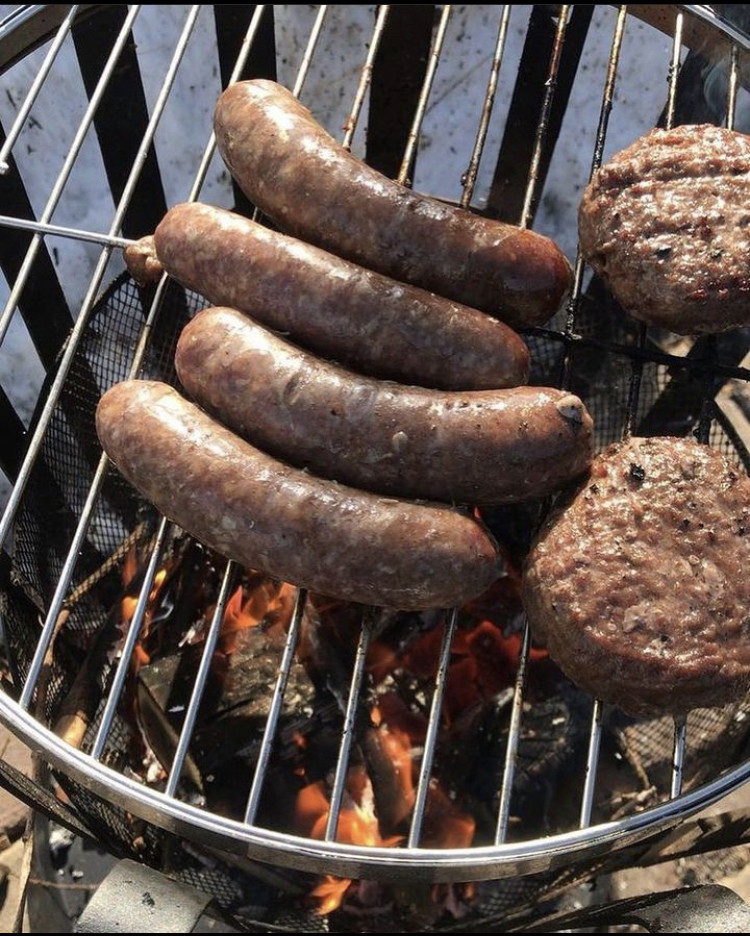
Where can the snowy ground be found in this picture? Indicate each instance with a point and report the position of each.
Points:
(446, 142)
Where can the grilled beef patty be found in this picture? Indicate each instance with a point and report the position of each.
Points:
(638, 583)
(666, 223)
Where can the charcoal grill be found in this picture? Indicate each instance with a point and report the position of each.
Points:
(387, 76)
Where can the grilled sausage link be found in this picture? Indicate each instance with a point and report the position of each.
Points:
(476, 447)
(336, 308)
(313, 188)
(289, 524)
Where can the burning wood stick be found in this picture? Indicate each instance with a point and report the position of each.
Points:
(79, 707)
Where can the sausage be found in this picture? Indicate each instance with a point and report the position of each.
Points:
(476, 447)
(313, 188)
(338, 309)
(268, 516)
(142, 262)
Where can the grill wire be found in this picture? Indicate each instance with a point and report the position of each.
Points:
(69, 519)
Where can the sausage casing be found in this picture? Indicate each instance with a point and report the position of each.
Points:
(336, 308)
(287, 523)
(476, 447)
(315, 189)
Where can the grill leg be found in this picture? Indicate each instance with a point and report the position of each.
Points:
(134, 898)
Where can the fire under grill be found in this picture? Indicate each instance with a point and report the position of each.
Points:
(205, 719)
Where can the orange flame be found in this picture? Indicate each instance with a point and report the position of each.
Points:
(330, 892)
(129, 603)
(358, 825)
(259, 600)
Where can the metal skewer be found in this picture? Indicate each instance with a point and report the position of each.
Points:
(37, 227)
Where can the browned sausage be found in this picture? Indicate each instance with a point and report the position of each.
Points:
(474, 447)
(142, 262)
(338, 309)
(313, 188)
(287, 523)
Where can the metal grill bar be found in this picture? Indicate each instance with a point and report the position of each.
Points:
(242, 57)
(61, 376)
(407, 163)
(48, 332)
(592, 758)
(347, 730)
(669, 115)
(721, 407)
(37, 227)
(397, 78)
(592, 763)
(36, 87)
(209, 646)
(608, 95)
(680, 739)
(131, 639)
(121, 122)
(67, 168)
(635, 384)
(674, 70)
(541, 129)
(733, 86)
(277, 699)
(678, 756)
(311, 44)
(514, 730)
(489, 100)
(232, 23)
(430, 742)
(365, 75)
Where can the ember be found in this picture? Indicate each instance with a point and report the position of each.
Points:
(484, 653)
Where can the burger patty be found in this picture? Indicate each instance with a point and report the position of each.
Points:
(666, 223)
(638, 583)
